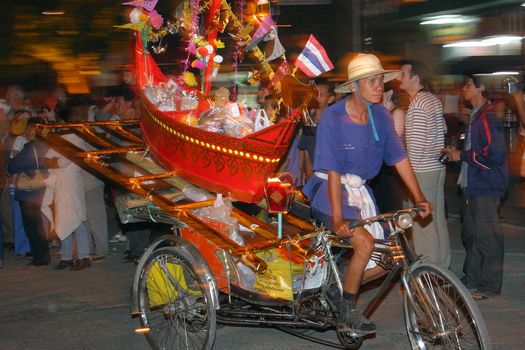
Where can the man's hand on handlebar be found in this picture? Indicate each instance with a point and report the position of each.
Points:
(341, 228)
(426, 208)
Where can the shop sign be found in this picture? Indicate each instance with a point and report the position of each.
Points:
(379, 7)
(451, 32)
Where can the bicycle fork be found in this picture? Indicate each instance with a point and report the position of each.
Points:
(429, 309)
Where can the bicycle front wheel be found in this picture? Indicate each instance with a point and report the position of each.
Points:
(440, 312)
(175, 301)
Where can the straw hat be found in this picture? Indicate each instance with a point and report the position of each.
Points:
(364, 66)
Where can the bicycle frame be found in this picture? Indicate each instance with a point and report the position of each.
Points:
(395, 248)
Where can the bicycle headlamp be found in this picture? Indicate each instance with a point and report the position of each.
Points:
(404, 220)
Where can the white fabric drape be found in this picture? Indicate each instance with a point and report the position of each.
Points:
(65, 190)
(359, 197)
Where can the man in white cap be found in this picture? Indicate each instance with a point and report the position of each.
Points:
(354, 137)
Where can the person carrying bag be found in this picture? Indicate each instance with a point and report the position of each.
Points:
(29, 172)
(25, 182)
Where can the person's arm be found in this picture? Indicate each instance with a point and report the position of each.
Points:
(520, 106)
(339, 225)
(409, 178)
(308, 166)
(110, 106)
(492, 150)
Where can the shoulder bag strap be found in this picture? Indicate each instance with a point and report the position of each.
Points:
(36, 157)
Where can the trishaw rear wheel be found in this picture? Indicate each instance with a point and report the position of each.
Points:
(175, 301)
(441, 313)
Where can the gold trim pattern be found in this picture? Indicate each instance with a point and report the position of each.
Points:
(218, 148)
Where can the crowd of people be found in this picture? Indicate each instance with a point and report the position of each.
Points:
(66, 209)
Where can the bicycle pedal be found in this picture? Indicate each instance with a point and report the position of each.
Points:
(351, 332)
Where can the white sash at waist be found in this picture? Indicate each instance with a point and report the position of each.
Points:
(359, 197)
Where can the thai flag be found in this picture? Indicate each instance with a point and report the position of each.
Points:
(313, 61)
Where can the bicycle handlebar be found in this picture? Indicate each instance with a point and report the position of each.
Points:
(378, 218)
(385, 217)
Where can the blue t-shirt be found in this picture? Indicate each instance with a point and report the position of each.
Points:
(346, 147)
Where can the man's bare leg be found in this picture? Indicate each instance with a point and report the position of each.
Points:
(363, 245)
(349, 317)
(373, 274)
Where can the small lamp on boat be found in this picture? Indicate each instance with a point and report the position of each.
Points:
(279, 196)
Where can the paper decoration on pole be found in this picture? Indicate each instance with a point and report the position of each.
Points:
(148, 5)
(278, 48)
(313, 61)
(155, 19)
(266, 25)
(133, 26)
(284, 69)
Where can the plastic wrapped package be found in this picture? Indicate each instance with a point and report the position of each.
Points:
(211, 115)
(238, 126)
(160, 96)
(212, 120)
(167, 105)
(247, 276)
(149, 92)
(219, 218)
(189, 102)
(237, 122)
(230, 119)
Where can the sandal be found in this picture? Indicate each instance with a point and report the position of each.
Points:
(476, 295)
(129, 259)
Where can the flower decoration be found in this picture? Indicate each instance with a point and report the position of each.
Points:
(137, 16)
(199, 64)
(191, 49)
(155, 19)
(144, 17)
(189, 79)
(218, 44)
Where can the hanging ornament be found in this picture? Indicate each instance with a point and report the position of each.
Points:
(137, 16)
(189, 79)
(202, 51)
(199, 64)
(155, 19)
(209, 49)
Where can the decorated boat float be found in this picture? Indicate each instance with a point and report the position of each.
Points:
(180, 113)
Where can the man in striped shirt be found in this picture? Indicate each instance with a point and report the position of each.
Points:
(425, 130)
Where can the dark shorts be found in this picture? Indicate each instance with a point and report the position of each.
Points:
(326, 219)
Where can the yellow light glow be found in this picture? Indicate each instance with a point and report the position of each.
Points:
(89, 72)
(53, 13)
(142, 330)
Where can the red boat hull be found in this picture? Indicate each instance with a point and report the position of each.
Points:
(216, 162)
